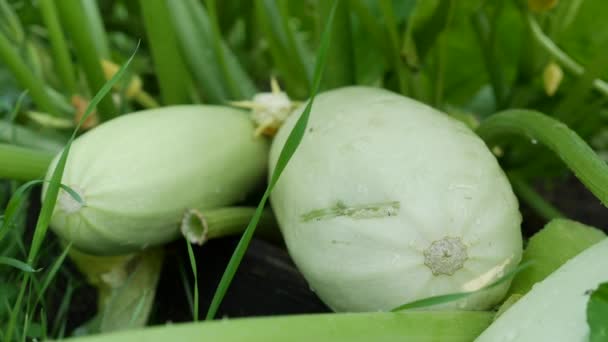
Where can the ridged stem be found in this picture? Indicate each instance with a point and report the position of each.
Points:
(200, 225)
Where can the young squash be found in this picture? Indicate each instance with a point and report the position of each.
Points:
(387, 201)
(137, 175)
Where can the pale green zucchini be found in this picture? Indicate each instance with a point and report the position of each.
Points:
(137, 175)
(387, 201)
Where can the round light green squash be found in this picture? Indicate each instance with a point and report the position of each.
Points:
(138, 174)
(388, 200)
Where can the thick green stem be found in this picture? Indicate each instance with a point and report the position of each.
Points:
(61, 54)
(560, 56)
(533, 199)
(447, 326)
(22, 163)
(199, 225)
(173, 77)
(590, 169)
(35, 86)
(76, 22)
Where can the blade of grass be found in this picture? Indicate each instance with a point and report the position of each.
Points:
(48, 278)
(588, 167)
(15, 205)
(195, 274)
(291, 144)
(50, 199)
(173, 78)
(340, 57)
(20, 265)
(442, 299)
(61, 53)
(61, 319)
(86, 47)
(187, 286)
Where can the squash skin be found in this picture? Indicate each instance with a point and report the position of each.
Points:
(139, 173)
(555, 308)
(365, 146)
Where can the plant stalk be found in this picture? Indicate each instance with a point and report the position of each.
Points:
(74, 17)
(199, 225)
(59, 48)
(173, 78)
(588, 167)
(11, 58)
(23, 164)
(447, 326)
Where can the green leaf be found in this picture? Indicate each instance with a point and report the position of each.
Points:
(294, 139)
(20, 265)
(597, 314)
(53, 271)
(15, 205)
(559, 241)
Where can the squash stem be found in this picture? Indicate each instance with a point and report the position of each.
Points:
(23, 164)
(199, 225)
